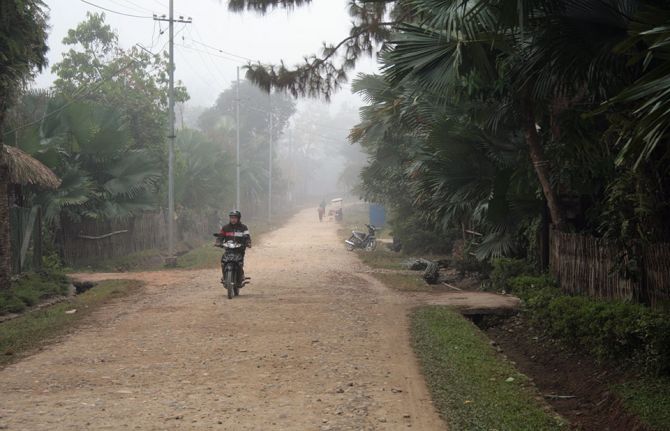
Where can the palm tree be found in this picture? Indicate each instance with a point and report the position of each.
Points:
(90, 147)
(23, 46)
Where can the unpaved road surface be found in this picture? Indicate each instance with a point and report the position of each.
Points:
(313, 344)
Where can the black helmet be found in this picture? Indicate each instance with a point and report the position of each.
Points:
(235, 213)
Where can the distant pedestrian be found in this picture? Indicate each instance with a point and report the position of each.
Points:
(322, 210)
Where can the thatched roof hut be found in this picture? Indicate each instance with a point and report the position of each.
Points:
(26, 170)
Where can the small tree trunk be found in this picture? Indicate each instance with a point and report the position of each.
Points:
(5, 247)
(540, 164)
(544, 238)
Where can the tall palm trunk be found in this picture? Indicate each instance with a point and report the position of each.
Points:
(5, 247)
(540, 164)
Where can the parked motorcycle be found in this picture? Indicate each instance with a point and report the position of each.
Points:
(338, 214)
(362, 240)
(231, 266)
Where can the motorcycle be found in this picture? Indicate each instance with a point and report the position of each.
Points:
(361, 240)
(231, 266)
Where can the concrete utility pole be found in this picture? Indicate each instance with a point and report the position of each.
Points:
(237, 108)
(270, 163)
(171, 259)
(290, 166)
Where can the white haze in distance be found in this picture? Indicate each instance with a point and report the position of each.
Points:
(278, 35)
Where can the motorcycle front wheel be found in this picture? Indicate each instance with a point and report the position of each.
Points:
(371, 245)
(229, 282)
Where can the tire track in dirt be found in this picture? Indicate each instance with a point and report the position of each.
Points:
(310, 345)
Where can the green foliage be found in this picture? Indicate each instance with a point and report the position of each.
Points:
(91, 70)
(417, 237)
(468, 380)
(463, 82)
(649, 399)
(23, 46)
(630, 334)
(524, 285)
(30, 289)
(504, 269)
(89, 147)
(204, 172)
(101, 129)
(11, 304)
(468, 265)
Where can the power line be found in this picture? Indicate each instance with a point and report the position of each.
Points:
(216, 66)
(224, 52)
(116, 12)
(165, 6)
(132, 7)
(204, 79)
(253, 108)
(213, 55)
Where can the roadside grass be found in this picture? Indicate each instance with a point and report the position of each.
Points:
(32, 288)
(202, 255)
(142, 260)
(649, 399)
(468, 380)
(23, 335)
(403, 282)
(382, 258)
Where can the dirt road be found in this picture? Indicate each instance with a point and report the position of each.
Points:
(313, 344)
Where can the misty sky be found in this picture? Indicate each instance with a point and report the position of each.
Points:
(279, 35)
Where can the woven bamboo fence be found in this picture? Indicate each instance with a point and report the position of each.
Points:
(97, 240)
(586, 265)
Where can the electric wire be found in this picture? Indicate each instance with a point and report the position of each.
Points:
(216, 66)
(132, 7)
(116, 12)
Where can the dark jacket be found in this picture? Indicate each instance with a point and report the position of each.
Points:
(238, 232)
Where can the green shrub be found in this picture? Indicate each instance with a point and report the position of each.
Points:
(471, 265)
(504, 269)
(628, 333)
(30, 288)
(29, 296)
(11, 304)
(416, 239)
(526, 284)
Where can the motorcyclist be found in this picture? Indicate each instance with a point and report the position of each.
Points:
(236, 231)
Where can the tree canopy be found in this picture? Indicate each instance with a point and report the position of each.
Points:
(488, 110)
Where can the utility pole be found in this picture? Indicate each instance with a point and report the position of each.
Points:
(171, 259)
(290, 167)
(237, 108)
(270, 163)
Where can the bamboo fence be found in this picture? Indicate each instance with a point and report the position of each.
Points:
(586, 265)
(97, 240)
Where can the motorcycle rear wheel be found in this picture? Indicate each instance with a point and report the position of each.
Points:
(348, 246)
